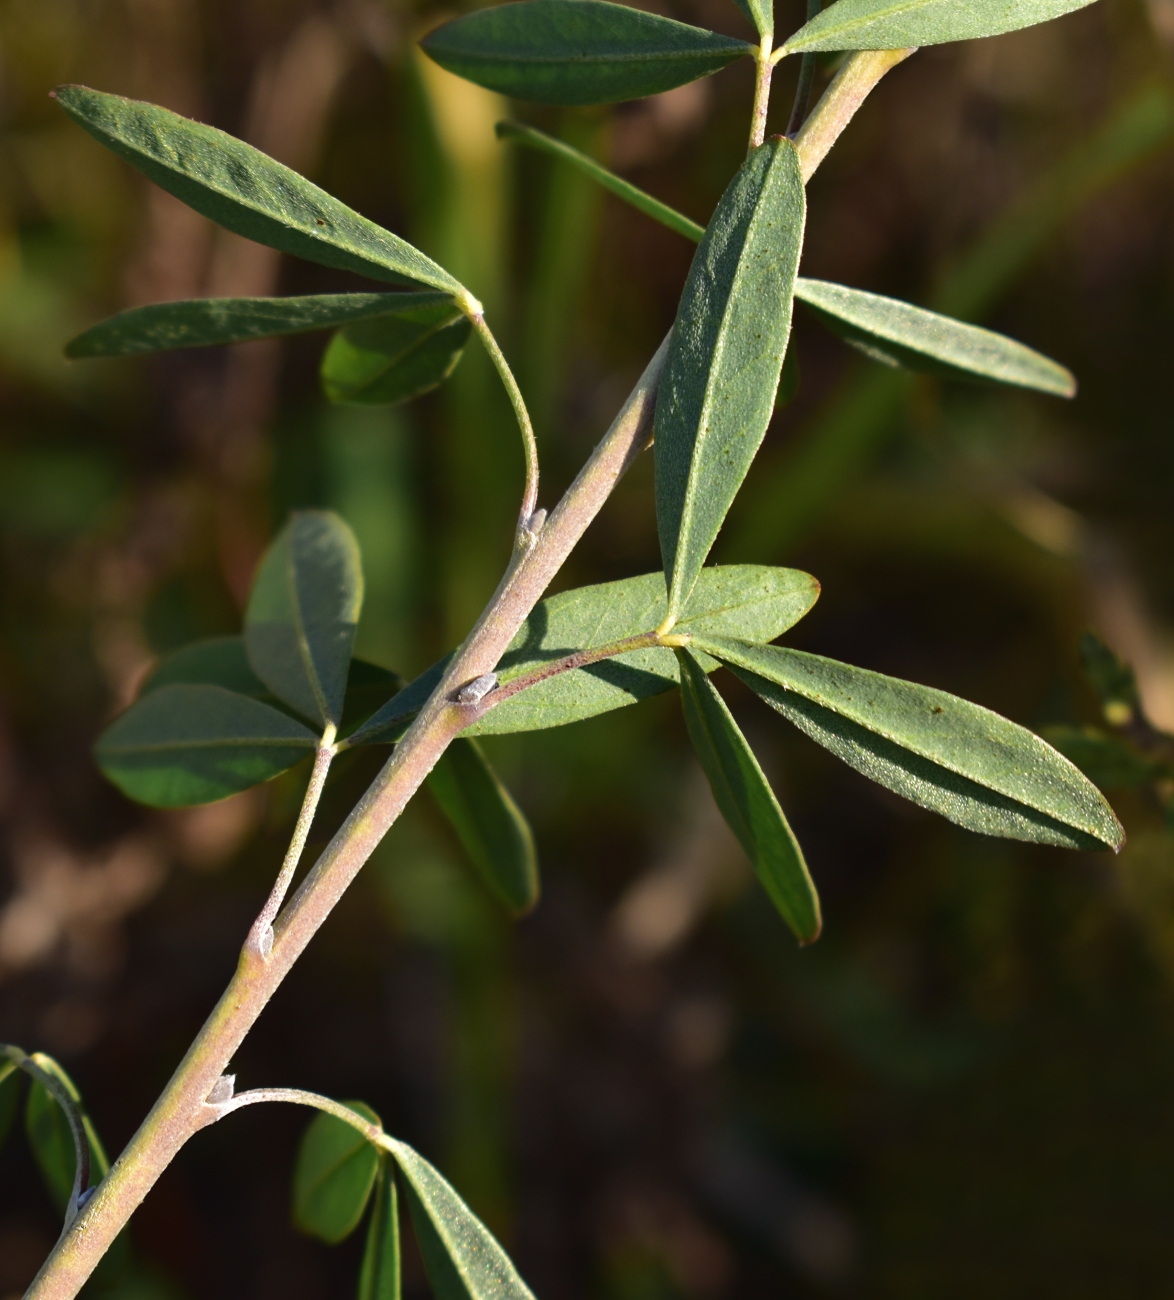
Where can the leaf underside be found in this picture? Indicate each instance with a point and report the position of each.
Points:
(395, 358)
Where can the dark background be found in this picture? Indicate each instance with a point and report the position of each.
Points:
(964, 1088)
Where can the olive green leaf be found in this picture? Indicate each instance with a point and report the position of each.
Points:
(396, 356)
(51, 1137)
(302, 614)
(215, 661)
(390, 721)
(956, 758)
(202, 322)
(490, 826)
(747, 802)
(379, 1278)
(182, 745)
(245, 191)
(761, 13)
(333, 1177)
(577, 51)
(725, 357)
(896, 24)
(461, 1257)
(899, 334)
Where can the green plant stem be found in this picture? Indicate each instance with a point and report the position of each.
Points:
(526, 529)
(260, 938)
(761, 93)
(806, 79)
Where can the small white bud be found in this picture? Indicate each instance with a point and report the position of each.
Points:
(476, 690)
(222, 1090)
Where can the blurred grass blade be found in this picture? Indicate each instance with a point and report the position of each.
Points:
(183, 745)
(302, 613)
(333, 1177)
(489, 824)
(956, 758)
(577, 51)
(898, 334)
(747, 802)
(51, 1137)
(396, 356)
(535, 139)
(725, 357)
(379, 1278)
(461, 1257)
(896, 24)
(203, 322)
(246, 191)
(761, 14)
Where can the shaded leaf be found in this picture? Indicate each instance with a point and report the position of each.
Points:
(183, 745)
(368, 688)
(245, 191)
(202, 322)
(215, 661)
(379, 1278)
(51, 1138)
(577, 51)
(390, 722)
(302, 613)
(333, 1176)
(396, 356)
(9, 1097)
(725, 357)
(897, 333)
(747, 802)
(761, 13)
(490, 826)
(1113, 680)
(461, 1257)
(953, 757)
(1108, 761)
(897, 24)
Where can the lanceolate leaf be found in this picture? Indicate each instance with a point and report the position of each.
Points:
(577, 51)
(380, 1275)
(395, 357)
(245, 191)
(461, 1257)
(956, 758)
(302, 614)
(725, 357)
(896, 24)
(201, 322)
(900, 334)
(747, 802)
(183, 745)
(333, 1177)
(52, 1139)
(761, 14)
(490, 826)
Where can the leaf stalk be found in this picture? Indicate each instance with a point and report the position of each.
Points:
(765, 67)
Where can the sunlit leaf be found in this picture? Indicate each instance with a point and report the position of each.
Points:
(725, 358)
(953, 757)
(397, 356)
(461, 1257)
(246, 191)
(202, 322)
(334, 1175)
(897, 333)
(379, 1278)
(897, 24)
(577, 51)
(51, 1137)
(302, 613)
(490, 826)
(183, 745)
(747, 802)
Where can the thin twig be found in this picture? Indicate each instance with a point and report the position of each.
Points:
(764, 68)
(806, 78)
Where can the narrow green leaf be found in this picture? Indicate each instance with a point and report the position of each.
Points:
(245, 191)
(368, 688)
(761, 13)
(1108, 761)
(953, 757)
(577, 51)
(760, 602)
(747, 802)
(51, 1138)
(379, 1278)
(899, 334)
(302, 613)
(491, 827)
(390, 722)
(184, 745)
(395, 357)
(202, 322)
(897, 24)
(9, 1097)
(725, 358)
(333, 1176)
(1113, 680)
(461, 1257)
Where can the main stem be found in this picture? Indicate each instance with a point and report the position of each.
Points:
(183, 1108)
